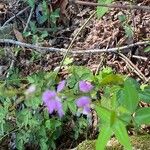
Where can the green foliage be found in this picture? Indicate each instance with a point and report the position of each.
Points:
(142, 116)
(147, 49)
(127, 28)
(23, 113)
(43, 16)
(31, 3)
(102, 10)
(118, 103)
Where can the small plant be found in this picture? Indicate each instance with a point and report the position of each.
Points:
(102, 10)
(43, 16)
(128, 29)
(37, 112)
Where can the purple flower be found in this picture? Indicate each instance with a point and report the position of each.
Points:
(61, 85)
(85, 86)
(52, 102)
(83, 103)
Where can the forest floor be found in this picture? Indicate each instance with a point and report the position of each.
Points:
(93, 46)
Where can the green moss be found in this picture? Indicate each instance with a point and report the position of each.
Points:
(138, 142)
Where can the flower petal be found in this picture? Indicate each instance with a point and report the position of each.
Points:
(48, 95)
(85, 86)
(51, 106)
(60, 113)
(61, 85)
(83, 101)
(86, 110)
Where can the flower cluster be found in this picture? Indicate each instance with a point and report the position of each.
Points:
(84, 102)
(53, 102)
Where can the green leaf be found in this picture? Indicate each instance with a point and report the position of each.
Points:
(122, 135)
(43, 144)
(48, 124)
(130, 97)
(31, 3)
(144, 94)
(142, 116)
(68, 61)
(122, 18)
(44, 34)
(33, 27)
(128, 31)
(72, 107)
(102, 10)
(147, 49)
(104, 114)
(103, 137)
(33, 102)
(54, 15)
(114, 79)
(23, 117)
(81, 73)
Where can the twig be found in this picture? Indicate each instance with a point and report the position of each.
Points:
(19, 13)
(140, 57)
(29, 18)
(133, 67)
(145, 8)
(101, 62)
(53, 49)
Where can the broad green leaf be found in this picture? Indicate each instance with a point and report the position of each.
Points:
(122, 135)
(130, 98)
(103, 137)
(102, 10)
(113, 118)
(104, 114)
(142, 116)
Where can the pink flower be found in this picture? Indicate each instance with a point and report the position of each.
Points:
(61, 85)
(85, 86)
(83, 103)
(53, 102)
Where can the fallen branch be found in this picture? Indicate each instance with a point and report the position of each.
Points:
(53, 49)
(121, 6)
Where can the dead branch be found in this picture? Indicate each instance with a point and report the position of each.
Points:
(144, 8)
(53, 49)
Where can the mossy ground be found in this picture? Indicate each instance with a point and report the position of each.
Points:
(139, 143)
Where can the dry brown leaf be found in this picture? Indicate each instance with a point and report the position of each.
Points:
(63, 6)
(18, 35)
